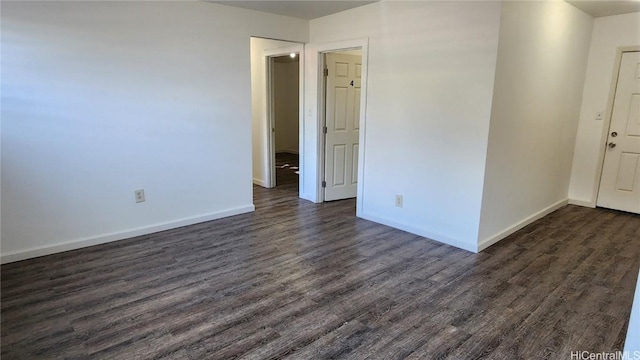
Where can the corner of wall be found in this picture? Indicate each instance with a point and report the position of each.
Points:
(525, 177)
(464, 245)
(490, 240)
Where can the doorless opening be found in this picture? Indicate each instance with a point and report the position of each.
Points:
(284, 90)
(269, 56)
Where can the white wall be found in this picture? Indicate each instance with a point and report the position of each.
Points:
(632, 344)
(542, 59)
(102, 98)
(259, 122)
(430, 82)
(286, 103)
(609, 33)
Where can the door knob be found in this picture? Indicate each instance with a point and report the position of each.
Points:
(611, 145)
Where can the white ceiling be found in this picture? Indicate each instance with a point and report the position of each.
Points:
(606, 8)
(311, 9)
(303, 9)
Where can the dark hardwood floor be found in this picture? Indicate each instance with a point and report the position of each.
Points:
(310, 281)
(286, 169)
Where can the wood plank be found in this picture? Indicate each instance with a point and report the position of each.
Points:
(311, 281)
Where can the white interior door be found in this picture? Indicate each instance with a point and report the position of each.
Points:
(620, 182)
(342, 114)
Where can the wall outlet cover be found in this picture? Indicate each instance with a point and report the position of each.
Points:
(139, 195)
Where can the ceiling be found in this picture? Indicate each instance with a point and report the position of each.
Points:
(303, 9)
(606, 8)
(311, 9)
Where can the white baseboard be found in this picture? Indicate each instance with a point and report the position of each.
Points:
(584, 203)
(105, 238)
(259, 182)
(421, 232)
(519, 225)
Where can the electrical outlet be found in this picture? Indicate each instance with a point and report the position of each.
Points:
(399, 201)
(139, 194)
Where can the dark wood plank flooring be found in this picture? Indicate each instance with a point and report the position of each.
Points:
(310, 281)
(286, 168)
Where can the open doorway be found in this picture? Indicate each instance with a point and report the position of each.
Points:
(272, 68)
(284, 104)
(341, 93)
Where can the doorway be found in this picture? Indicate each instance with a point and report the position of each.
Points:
(620, 178)
(267, 56)
(284, 104)
(341, 93)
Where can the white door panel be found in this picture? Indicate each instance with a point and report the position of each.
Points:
(620, 182)
(342, 125)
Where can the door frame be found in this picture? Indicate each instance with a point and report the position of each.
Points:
(317, 52)
(607, 120)
(322, 107)
(269, 115)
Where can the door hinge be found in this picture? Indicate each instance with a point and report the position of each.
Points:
(324, 130)
(324, 184)
(326, 72)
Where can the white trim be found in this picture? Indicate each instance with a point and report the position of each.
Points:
(607, 120)
(519, 225)
(105, 238)
(259, 182)
(421, 232)
(585, 203)
(271, 121)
